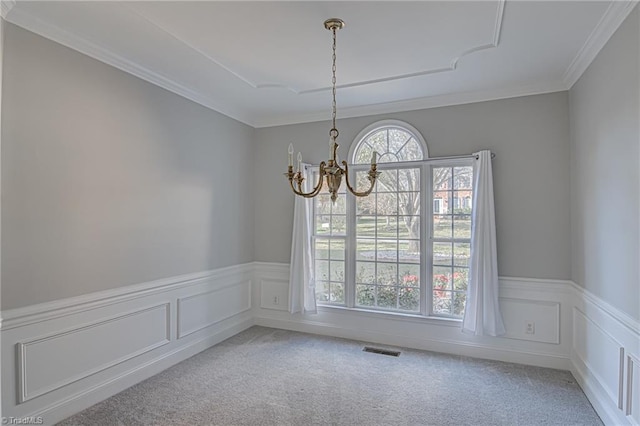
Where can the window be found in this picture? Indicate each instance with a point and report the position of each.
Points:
(329, 247)
(437, 203)
(387, 234)
(387, 251)
(451, 239)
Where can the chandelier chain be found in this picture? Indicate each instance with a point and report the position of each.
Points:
(333, 80)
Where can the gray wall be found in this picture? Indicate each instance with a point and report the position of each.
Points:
(605, 187)
(108, 180)
(530, 136)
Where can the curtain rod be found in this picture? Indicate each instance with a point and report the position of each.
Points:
(450, 157)
(453, 157)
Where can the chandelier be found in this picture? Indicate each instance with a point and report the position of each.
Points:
(330, 170)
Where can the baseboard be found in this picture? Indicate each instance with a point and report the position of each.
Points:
(61, 357)
(597, 396)
(463, 348)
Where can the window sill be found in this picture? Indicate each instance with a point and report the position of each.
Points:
(395, 316)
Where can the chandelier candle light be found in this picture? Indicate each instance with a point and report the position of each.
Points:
(330, 170)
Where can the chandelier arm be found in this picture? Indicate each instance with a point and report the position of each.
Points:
(372, 176)
(315, 191)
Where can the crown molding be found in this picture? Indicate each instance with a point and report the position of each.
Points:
(613, 17)
(5, 7)
(73, 41)
(453, 63)
(415, 104)
(610, 21)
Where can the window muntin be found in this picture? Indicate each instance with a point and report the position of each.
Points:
(393, 144)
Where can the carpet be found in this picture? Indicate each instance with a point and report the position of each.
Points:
(265, 376)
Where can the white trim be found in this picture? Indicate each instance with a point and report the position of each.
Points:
(49, 310)
(613, 396)
(477, 350)
(550, 347)
(63, 36)
(23, 392)
(623, 334)
(2, 29)
(5, 7)
(146, 316)
(608, 24)
(605, 375)
(453, 63)
(594, 392)
(555, 337)
(619, 333)
(616, 314)
(614, 16)
(544, 285)
(427, 102)
(67, 38)
(209, 323)
(101, 391)
(632, 363)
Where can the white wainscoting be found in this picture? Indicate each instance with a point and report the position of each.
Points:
(604, 358)
(61, 357)
(546, 303)
(574, 330)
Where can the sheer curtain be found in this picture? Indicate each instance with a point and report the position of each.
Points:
(301, 276)
(482, 311)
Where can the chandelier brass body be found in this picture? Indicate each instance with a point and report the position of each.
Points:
(330, 171)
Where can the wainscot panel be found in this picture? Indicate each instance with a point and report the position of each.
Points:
(202, 310)
(46, 364)
(61, 357)
(604, 358)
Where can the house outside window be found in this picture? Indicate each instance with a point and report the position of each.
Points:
(388, 251)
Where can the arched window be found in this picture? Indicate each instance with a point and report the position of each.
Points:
(393, 140)
(405, 247)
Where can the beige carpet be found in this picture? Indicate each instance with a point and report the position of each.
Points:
(265, 376)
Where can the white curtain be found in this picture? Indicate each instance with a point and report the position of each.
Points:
(301, 277)
(482, 311)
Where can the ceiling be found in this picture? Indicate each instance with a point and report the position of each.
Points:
(269, 63)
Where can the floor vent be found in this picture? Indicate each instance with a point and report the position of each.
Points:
(381, 351)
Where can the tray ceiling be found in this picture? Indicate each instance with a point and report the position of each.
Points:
(268, 63)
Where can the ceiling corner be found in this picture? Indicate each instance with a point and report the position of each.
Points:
(5, 7)
(608, 24)
(73, 41)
